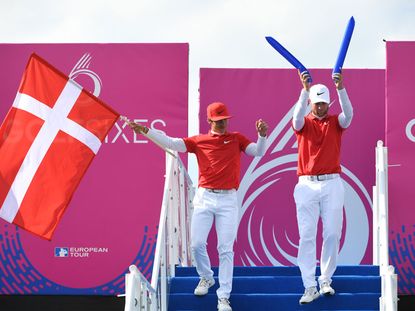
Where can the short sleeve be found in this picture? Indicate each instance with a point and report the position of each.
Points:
(190, 143)
(243, 141)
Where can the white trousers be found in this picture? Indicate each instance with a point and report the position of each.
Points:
(315, 199)
(223, 209)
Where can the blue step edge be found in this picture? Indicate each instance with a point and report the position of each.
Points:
(280, 284)
(286, 302)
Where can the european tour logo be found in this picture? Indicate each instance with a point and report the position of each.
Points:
(79, 252)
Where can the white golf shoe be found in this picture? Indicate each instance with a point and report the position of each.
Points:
(203, 287)
(224, 305)
(326, 289)
(309, 295)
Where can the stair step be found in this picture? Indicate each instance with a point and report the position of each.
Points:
(280, 284)
(241, 302)
(279, 288)
(284, 271)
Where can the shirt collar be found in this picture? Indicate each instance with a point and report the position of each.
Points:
(314, 117)
(213, 133)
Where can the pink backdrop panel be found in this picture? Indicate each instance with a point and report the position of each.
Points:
(268, 233)
(400, 140)
(112, 219)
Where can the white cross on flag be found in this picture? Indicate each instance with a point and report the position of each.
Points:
(47, 141)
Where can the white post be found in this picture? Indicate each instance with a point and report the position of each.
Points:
(144, 300)
(163, 276)
(133, 299)
(383, 207)
(375, 225)
(182, 220)
(189, 213)
(389, 299)
(174, 221)
(154, 302)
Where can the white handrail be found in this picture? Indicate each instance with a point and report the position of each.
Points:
(162, 222)
(185, 215)
(139, 291)
(173, 240)
(389, 299)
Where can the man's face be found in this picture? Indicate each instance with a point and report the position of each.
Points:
(219, 126)
(320, 109)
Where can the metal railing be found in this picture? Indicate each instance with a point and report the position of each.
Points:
(389, 299)
(173, 242)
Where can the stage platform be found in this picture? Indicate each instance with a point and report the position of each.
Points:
(100, 303)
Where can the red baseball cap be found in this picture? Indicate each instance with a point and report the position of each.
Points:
(217, 111)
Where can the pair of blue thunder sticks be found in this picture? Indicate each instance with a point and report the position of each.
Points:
(297, 64)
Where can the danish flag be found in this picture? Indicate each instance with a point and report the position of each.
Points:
(47, 141)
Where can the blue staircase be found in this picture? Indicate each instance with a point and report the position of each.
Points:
(279, 288)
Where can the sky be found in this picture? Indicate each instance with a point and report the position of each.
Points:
(221, 33)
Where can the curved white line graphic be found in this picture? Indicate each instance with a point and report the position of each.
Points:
(82, 68)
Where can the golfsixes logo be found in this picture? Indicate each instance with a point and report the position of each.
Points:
(120, 132)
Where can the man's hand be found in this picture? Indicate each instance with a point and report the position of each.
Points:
(261, 127)
(338, 81)
(305, 78)
(138, 128)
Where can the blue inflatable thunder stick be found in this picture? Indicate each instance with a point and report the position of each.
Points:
(287, 55)
(343, 49)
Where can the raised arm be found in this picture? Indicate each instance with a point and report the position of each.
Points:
(171, 143)
(300, 108)
(346, 116)
(258, 149)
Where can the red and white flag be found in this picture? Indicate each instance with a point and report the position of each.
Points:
(47, 141)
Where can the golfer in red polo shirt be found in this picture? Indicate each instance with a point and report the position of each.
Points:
(319, 191)
(218, 155)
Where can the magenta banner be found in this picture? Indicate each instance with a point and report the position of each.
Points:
(268, 233)
(400, 140)
(112, 219)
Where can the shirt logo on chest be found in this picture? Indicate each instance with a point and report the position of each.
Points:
(227, 141)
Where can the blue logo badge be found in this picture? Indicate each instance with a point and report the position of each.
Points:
(61, 252)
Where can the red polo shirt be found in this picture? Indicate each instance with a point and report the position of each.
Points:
(319, 144)
(218, 157)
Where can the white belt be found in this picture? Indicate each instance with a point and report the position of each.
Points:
(319, 177)
(223, 191)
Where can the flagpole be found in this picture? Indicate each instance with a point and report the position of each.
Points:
(126, 120)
